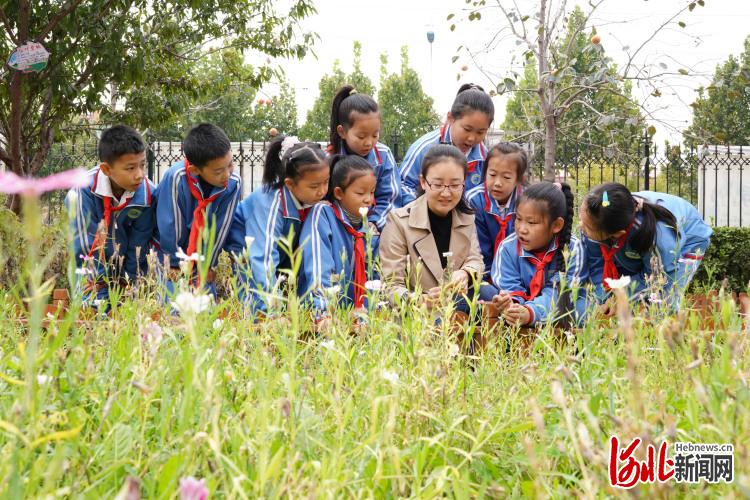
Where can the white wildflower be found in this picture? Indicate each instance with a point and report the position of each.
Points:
(390, 376)
(191, 304)
(373, 285)
(453, 350)
(328, 344)
(217, 324)
(615, 284)
(195, 257)
(363, 211)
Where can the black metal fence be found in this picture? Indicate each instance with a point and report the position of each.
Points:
(712, 178)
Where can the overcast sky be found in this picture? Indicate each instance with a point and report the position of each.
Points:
(711, 34)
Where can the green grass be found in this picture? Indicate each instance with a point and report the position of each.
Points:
(261, 410)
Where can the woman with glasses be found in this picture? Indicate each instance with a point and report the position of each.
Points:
(429, 248)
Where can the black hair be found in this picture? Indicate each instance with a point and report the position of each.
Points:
(472, 97)
(345, 170)
(510, 149)
(203, 143)
(295, 161)
(119, 140)
(559, 202)
(346, 102)
(442, 152)
(620, 213)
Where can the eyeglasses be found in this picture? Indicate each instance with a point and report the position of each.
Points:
(437, 186)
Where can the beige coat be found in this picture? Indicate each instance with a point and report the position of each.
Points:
(409, 257)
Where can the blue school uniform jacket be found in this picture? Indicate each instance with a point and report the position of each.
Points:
(174, 212)
(678, 250)
(514, 268)
(130, 229)
(486, 212)
(266, 216)
(411, 166)
(328, 258)
(388, 186)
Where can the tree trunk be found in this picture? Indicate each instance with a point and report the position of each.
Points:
(550, 143)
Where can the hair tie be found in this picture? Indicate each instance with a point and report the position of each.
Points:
(288, 143)
(352, 92)
(605, 199)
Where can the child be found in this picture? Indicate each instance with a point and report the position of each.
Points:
(337, 254)
(528, 264)
(194, 194)
(494, 201)
(295, 177)
(622, 230)
(355, 128)
(469, 120)
(432, 241)
(114, 216)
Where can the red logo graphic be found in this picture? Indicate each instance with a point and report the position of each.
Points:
(634, 471)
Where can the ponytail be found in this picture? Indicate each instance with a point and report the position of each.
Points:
(295, 161)
(346, 102)
(472, 97)
(612, 208)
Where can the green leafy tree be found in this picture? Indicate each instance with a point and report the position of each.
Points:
(105, 51)
(279, 112)
(318, 120)
(721, 114)
(405, 108)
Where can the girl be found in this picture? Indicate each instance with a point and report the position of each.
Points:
(337, 253)
(494, 201)
(468, 121)
(432, 241)
(622, 230)
(528, 264)
(295, 176)
(355, 128)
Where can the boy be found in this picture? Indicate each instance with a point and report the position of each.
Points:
(195, 193)
(114, 215)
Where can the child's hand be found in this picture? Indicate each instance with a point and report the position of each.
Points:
(374, 229)
(608, 308)
(501, 301)
(517, 314)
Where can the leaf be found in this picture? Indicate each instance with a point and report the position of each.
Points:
(701, 3)
(691, 7)
(510, 84)
(12, 429)
(663, 65)
(682, 24)
(453, 27)
(454, 59)
(11, 380)
(683, 71)
(651, 130)
(450, 16)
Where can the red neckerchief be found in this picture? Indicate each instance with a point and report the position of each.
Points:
(199, 214)
(108, 210)
(536, 284)
(610, 269)
(502, 221)
(360, 273)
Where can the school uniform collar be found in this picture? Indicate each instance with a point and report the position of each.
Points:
(419, 217)
(290, 206)
(373, 157)
(344, 217)
(102, 188)
(530, 255)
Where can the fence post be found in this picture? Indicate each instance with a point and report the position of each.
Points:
(150, 157)
(394, 141)
(646, 164)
